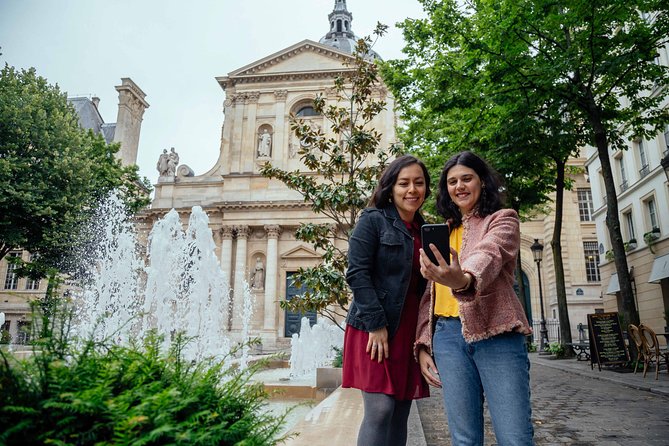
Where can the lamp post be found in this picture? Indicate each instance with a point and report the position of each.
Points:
(665, 164)
(538, 251)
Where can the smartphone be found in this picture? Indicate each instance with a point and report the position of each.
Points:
(439, 236)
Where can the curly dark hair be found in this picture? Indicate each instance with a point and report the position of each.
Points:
(384, 190)
(492, 196)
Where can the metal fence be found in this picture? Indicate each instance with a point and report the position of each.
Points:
(552, 326)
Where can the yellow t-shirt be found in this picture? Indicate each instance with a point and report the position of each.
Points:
(445, 304)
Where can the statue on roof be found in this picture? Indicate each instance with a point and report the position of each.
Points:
(161, 166)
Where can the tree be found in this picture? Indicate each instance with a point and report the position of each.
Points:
(589, 64)
(52, 172)
(342, 172)
(447, 100)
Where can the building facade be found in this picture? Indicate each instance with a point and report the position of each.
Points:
(254, 219)
(642, 191)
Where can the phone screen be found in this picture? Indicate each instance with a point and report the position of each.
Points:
(437, 234)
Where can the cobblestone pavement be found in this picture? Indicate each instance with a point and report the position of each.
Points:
(571, 409)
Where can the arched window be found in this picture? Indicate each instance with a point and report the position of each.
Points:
(305, 111)
(339, 26)
(346, 24)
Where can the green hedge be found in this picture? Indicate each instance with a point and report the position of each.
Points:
(105, 394)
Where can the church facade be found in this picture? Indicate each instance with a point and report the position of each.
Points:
(254, 219)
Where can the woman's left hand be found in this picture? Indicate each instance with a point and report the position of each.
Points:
(445, 274)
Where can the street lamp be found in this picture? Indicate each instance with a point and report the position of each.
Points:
(538, 251)
(665, 164)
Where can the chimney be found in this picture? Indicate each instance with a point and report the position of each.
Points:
(131, 107)
(96, 101)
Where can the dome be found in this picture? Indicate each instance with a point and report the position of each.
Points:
(341, 35)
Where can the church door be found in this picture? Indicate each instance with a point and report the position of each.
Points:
(293, 319)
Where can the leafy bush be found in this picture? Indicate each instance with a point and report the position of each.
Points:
(108, 394)
(339, 357)
(556, 349)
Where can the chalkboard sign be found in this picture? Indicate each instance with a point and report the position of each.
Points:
(606, 340)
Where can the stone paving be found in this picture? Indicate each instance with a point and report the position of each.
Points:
(578, 407)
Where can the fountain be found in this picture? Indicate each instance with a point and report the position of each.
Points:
(313, 347)
(182, 288)
(178, 285)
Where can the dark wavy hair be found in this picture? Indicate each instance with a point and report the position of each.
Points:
(492, 196)
(384, 190)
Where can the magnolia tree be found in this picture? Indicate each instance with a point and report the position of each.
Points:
(341, 171)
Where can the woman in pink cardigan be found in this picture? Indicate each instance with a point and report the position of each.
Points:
(470, 338)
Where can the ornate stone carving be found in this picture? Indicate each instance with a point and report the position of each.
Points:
(167, 163)
(281, 95)
(252, 97)
(227, 232)
(264, 144)
(273, 231)
(258, 275)
(185, 171)
(242, 231)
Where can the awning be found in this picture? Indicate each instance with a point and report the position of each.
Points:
(660, 269)
(614, 286)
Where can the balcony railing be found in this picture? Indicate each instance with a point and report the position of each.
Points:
(624, 186)
(645, 170)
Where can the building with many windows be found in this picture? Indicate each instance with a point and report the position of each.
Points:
(643, 200)
(580, 257)
(642, 191)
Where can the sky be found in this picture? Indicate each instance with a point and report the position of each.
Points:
(173, 50)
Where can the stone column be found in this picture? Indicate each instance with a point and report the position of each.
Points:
(237, 140)
(250, 132)
(281, 136)
(273, 232)
(243, 233)
(226, 233)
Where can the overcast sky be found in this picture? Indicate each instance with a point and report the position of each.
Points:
(173, 50)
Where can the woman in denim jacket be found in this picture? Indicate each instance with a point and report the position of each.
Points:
(384, 275)
(470, 319)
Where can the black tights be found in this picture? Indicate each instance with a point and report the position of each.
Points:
(384, 422)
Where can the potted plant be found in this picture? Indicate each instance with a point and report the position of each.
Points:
(609, 255)
(650, 237)
(630, 245)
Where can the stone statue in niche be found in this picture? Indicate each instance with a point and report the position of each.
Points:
(258, 275)
(162, 163)
(264, 144)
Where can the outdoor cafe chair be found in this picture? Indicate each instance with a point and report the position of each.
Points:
(633, 332)
(652, 351)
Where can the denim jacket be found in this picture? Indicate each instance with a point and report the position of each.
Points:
(380, 257)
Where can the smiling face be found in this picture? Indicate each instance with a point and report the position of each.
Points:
(409, 191)
(464, 187)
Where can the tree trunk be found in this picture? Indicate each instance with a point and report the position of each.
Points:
(556, 248)
(629, 311)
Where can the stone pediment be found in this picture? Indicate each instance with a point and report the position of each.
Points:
(300, 252)
(303, 57)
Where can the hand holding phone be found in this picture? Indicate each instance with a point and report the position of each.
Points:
(439, 236)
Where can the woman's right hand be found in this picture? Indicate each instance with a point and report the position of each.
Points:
(428, 368)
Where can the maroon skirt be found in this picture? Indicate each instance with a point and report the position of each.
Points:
(398, 376)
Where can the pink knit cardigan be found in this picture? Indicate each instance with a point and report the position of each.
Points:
(489, 249)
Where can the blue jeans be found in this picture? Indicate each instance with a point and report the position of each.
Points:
(498, 368)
